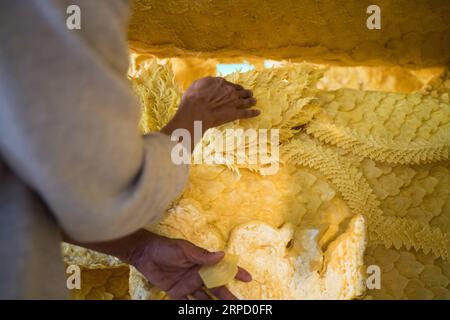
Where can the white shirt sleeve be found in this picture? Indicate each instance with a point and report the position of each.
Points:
(68, 119)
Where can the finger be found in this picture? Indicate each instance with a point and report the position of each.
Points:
(244, 94)
(248, 102)
(229, 95)
(223, 293)
(191, 282)
(222, 80)
(243, 275)
(235, 85)
(201, 256)
(201, 295)
(228, 115)
(180, 298)
(247, 113)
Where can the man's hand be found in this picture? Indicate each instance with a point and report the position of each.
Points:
(213, 101)
(171, 265)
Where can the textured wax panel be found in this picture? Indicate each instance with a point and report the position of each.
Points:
(103, 284)
(317, 244)
(393, 128)
(364, 179)
(389, 79)
(159, 96)
(345, 168)
(102, 277)
(413, 32)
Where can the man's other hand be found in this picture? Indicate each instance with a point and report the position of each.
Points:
(173, 265)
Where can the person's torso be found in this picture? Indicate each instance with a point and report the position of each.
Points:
(31, 265)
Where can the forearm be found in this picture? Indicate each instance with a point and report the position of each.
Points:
(125, 248)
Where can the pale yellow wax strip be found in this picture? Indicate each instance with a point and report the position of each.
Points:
(221, 273)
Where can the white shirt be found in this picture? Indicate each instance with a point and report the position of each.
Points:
(69, 142)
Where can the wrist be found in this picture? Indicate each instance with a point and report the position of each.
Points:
(128, 249)
(182, 120)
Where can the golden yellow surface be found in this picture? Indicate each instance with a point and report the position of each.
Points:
(390, 79)
(345, 161)
(359, 160)
(103, 283)
(407, 274)
(385, 79)
(413, 32)
(102, 277)
(364, 174)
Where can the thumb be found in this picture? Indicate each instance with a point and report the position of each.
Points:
(202, 256)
